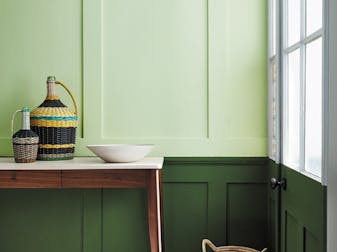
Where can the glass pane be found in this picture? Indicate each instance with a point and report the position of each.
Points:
(293, 21)
(313, 108)
(292, 108)
(314, 15)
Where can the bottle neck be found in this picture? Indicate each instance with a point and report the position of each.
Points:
(51, 93)
(25, 124)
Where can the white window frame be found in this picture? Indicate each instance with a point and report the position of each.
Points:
(273, 84)
(281, 62)
(286, 50)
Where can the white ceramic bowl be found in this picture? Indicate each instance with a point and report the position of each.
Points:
(121, 153)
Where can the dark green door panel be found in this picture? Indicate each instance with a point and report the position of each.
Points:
(311, 243)
(291, 230)
(303, 212)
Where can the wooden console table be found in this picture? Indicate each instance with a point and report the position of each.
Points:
(92, 173)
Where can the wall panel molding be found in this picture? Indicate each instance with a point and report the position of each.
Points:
(127, 100)
(154, 69)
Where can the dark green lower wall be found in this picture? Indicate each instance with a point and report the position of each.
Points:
(223, 199)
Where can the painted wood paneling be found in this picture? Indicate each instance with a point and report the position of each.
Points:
(41, 220)
(161, 76)
(303, 211)
(92, 220)
(236, 204)
(272, 225)
(154, 79)
(223, 199)
(246, 213)
(292, 240)
(296, 215)
(311, 243)
(187, 76)
(124, 220)
(186, 215)
(196, 206)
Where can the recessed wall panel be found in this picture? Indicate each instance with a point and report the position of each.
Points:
(41, 220)
(38, 38)
(154, 69)
(185, 215)
(246, 213)
(124, 224)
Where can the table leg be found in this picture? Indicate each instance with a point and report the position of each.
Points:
(154, 210)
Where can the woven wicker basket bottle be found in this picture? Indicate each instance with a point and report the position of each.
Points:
(25, 141)
(55, 124)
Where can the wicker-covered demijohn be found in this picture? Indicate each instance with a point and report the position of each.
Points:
(25, 141)
(55, 124)
(227, 248)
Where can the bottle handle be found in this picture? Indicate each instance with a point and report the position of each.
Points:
(13, 117)
(70, 94)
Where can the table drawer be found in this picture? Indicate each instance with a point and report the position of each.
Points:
(30, 179)
(105, 178)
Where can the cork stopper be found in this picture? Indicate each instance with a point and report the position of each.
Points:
(51, 79)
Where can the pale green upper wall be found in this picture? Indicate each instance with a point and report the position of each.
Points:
(187, 75)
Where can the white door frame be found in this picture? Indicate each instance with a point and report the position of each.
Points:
(330, 123)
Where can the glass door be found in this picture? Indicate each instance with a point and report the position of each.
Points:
(296, 195)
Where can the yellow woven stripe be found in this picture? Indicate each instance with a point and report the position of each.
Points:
(56, 146)
(53, 97)
(60, 124)
(52, 111)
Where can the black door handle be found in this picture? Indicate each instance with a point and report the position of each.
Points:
(275, 183)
